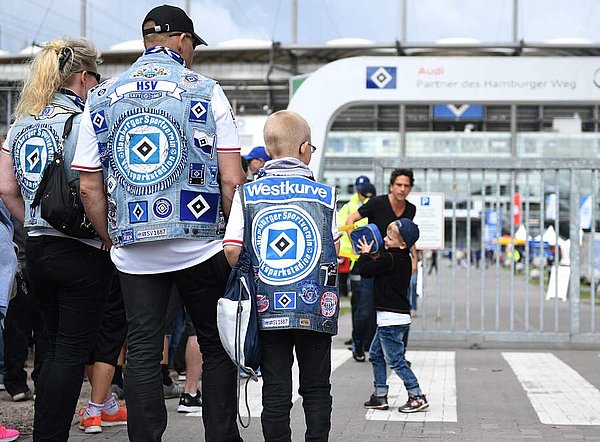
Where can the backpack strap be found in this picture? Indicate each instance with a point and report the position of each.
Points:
(67, 130)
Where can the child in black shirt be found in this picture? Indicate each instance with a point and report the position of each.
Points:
(392, 271)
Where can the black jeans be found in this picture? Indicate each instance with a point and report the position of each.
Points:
(70, 281)
(22, 320)
(313, 351)
(146, 299)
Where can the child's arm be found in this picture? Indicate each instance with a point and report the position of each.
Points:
(234, 234)
(370, 265)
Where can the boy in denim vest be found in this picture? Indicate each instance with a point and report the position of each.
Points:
(287, 223)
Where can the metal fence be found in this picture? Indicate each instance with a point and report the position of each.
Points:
(481, 290)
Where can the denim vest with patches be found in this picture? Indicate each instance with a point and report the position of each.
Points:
(34, 141)
(157, 141)
(288, 227)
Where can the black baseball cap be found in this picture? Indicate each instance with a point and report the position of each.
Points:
(169, 18)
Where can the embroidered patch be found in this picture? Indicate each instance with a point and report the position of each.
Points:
(146, 89)
(262, 303)
(204, 142)
(112, 212)
(104, 154)
(52, 111)
(286, 189)
(198, 111)
(309, 291)
(330, 271)
(127, 236)
(304, 322)
(138, 212)
(147, 150)
(198, 206)
(111, 183)
(214, 176)
(99, 121)
(162, 208)
(329, 302)
(150, 70)
(33, 149)
(190, 78)
(287, 243)
(284, 300)
(275, 322)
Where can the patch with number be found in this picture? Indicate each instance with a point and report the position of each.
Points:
(262, 303)
(198, 111)
(198, 206)
(275, 322)
(309, 291)
(148, 151)
(329, 302)
(138, 212)
(33, 149)
(162, 208)
(196, 174)
(329, 272)
(284, 300)
(304, 322)
(204, 142)
(287, 242)
(99, 121)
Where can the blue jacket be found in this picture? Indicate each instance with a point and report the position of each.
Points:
(288, 224)
(157, 140)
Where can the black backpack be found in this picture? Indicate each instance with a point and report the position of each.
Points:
(59, 200)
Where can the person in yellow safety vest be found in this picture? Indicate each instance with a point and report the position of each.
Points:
(364, 190)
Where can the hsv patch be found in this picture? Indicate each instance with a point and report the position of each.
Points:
(147, 150)
(99, 121)
(198, 206)
(33, 149)
(204, 142)
(196, 174)
(198, 111)
(284, 300)
(287, 242)
(162, 208)
(214, 175)
(127, 236)
(309, 291)
(275, 322)
(287, 189)
(329, 302)
(381, 77)
(138, 212)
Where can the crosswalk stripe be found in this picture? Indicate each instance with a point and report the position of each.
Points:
(436, 373)
(254, 394)
(559, 395)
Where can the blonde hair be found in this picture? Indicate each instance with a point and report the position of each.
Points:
(284, 132)
(51, 68)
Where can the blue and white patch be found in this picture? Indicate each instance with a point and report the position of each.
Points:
(146, 90)
(149, 71)
(309, 291)
(275, 322)
(280, 189)
(196, 174)
(198, 111)
(198, 206)
(284, 300)
(127, 236)
(112, 212)
(190, 78)
(99, 121)
(162, 208)
(287, 242)
(204, 142)
(214, 175)
(381, 77)
(329, 302)
(111, 184)
(33, 149)
(138, 212)
(148, 150)
(52, 111)
(104, 154)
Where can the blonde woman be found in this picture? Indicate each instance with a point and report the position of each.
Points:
(70, 277)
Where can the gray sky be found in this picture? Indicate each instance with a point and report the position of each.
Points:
(113, 21)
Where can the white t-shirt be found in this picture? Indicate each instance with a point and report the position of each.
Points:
(171, 254)
(49, 231)
(234, 234)
(391, 318)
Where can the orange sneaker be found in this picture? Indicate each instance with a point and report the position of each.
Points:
(91, 424)
(119, 418)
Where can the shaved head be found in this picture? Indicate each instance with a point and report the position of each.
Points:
(284, 132)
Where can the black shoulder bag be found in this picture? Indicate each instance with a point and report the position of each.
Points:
(59, 200)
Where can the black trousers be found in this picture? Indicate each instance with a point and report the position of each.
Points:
(23, 320)
(70, 281)
(313, 351)
(146, 298)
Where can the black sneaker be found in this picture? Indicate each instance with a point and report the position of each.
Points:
(189, 403)
(358, 355)
(23, 396)
(414, 403)
(348, 342)
(377, 403)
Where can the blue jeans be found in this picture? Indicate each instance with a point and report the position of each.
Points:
(388, 348)
(412, 291)
(364, 322)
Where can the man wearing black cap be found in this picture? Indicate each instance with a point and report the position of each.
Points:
(159, 156)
